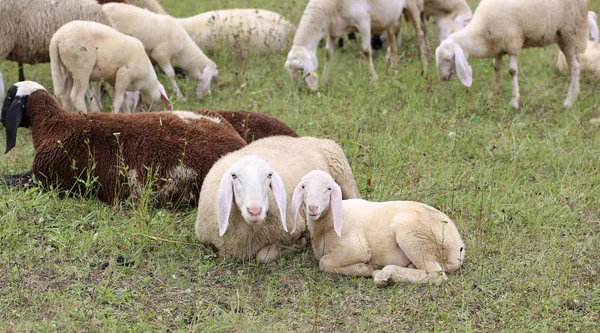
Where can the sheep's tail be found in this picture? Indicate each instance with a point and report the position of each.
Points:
(60, 77)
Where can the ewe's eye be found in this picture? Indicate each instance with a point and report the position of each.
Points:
(233, 176)
(329, 189)
(270, 175)
(302, 186)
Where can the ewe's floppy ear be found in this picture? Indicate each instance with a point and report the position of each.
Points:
(225, 201)
(164, 98)
(463, 70)
(297, 200)
(13, 114)
(335, 202)
(594, 31)
(280, 197)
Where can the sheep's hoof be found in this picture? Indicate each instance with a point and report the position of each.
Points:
(514, 103)
(437, 277)
(595, 121)
(181, 98)
(382, 277)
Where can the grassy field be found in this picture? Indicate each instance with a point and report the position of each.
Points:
(521, 185)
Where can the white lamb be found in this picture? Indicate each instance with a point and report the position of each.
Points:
(249, 30)
(252, 227)
(590, 59)
(84, 51)
(501, 27)
(166, 42)
(412, 241)
(336, 18)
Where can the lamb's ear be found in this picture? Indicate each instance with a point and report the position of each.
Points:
(594, 31)
(463, 70)
(225, 201)
(280, 197)
(335, 202)
(297, 200)
(163, 97)
(13, 115)
(311, 78)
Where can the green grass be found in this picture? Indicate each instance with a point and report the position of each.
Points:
(521, 185)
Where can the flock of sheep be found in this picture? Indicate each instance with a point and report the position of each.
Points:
(242, 168)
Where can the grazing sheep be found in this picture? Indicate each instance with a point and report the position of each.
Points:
(252, 227)
(410, 240)
(590, 59)
(450, 15)
(254, 125)
(118, 154)
(336, 18)
(26, 27)
(151, 5)
(83, 51)
(166, 42)
(249, 30)
(501, 27)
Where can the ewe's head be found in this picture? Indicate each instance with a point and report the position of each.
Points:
(13, 114)
(446, 25)
(318, 191)
(301, 63)
(248, 181)
(450, 59)
(152, 96)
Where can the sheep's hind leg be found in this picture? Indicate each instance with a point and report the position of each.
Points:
(497, 69)
(415, 15)
(574, 70)
(393, 47)
(328, 56)
(165, 65)
(393, 273)
(513, 70)
(364, 29)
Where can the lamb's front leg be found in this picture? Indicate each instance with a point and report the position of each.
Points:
(274, 251)
(364, 29)
(574, 70)
(329, 47)
(497, 69)
(332, 264)
(393, 273)
(513, 70)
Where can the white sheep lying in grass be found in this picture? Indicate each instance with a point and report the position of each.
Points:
(590, 59)
(501, 27)
(410, 240)
(235, 213)
(166, 42)
(84, 51)
(337, 18)
(249, 30)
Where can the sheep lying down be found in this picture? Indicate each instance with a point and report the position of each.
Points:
(118, 154)
(394, 241)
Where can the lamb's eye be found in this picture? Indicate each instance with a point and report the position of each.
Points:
(329, 189)
(233, 176)
(270, 175)
(302, 186)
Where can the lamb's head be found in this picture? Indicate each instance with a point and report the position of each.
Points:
(248, 181)
(318, 191)
(13, 113)
(151, 96)
(450, 58)
(302, 63)
(446, 25)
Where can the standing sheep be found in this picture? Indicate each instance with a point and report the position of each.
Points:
(83, 51)
(26, 27)
(166, 42)
(503, 27)
(450, 15)
(249, 30)
(412, 241)
(252, 227)
(336, 18)
(118, 153)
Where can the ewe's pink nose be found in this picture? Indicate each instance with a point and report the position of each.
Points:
(254, 211)
(312, 209)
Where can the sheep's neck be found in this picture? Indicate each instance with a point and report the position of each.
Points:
(312, 28)
(472, 44)
(319, 229)
(47, 112)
